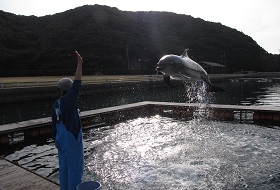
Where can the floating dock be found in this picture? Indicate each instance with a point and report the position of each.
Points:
(15, 177)
(107, 116)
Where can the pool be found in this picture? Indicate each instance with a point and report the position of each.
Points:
(163, 153)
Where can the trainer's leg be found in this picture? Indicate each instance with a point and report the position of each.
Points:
(63, 171)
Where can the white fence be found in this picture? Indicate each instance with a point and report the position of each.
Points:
(26, 82)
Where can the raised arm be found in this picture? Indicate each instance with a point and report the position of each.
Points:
(78, 74)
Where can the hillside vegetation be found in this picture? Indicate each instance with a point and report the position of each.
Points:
(120, 42)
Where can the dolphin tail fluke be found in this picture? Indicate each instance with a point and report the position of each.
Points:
(166, 79)
(213, 88)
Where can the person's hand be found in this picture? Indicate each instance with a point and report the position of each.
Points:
(79, 58)
(78, 74)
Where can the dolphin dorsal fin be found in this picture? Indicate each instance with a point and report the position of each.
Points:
(185, 53)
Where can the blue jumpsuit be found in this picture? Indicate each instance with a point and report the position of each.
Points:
(67, 132)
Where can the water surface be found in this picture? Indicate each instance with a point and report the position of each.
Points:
(163, 153)
(239, 92)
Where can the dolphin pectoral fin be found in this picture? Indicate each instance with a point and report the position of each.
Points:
(184, 76)
(213, 88)
(166, 79)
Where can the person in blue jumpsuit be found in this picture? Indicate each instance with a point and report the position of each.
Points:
(67, 130)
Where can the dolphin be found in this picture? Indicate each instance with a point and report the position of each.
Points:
(184, 68)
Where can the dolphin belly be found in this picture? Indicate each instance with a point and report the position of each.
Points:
(172, 72)
(193, 75)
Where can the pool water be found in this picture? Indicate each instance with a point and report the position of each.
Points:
(244, 92)
(163, 153)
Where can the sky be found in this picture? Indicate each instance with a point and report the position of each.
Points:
(259, 19)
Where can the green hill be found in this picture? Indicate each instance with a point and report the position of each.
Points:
(120, 42)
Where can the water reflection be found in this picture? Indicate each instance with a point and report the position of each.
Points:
(249, 92)
(270, 96)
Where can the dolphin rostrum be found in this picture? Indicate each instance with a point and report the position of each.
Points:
(184, 68)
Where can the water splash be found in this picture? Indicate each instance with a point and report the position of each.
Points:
(196, 93)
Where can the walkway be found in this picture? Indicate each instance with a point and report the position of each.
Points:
(14, 177)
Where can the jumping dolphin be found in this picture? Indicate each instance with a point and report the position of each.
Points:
(184, 68)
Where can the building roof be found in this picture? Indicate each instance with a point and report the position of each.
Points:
(212, 64)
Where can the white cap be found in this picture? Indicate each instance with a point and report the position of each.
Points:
(64, 84)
